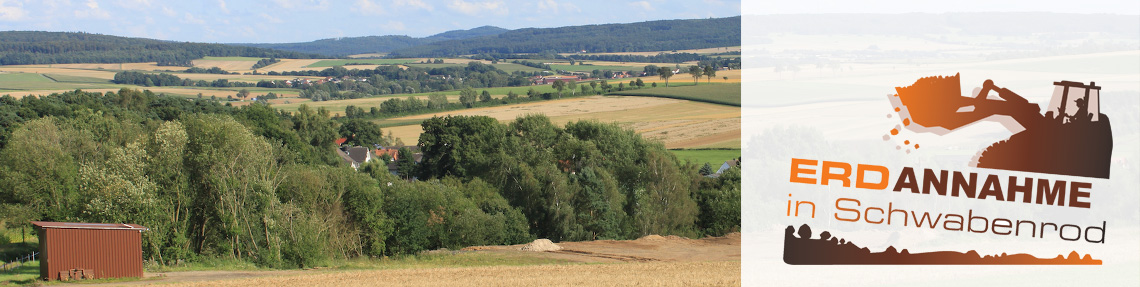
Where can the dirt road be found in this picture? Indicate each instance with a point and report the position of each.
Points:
(652, 260)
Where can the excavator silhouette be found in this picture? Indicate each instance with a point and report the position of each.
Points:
(1071, 138)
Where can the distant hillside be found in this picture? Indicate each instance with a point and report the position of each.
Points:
(339, 47)
(632, 37)
(33, 47)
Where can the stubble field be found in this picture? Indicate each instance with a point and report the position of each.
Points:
(677, 123)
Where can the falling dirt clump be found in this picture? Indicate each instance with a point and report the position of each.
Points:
(541, 245)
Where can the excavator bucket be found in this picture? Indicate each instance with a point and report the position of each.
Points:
(935, 102)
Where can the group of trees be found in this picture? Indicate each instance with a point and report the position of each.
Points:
(265, 186)
(388, 79)
(586, 181)
(695, 71)
(211, 70)
(264, 62)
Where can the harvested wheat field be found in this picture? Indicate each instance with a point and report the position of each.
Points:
(43, 69)
(651, 260)
(286, 65)
(21, 94)
(677, 123)
(228, 65)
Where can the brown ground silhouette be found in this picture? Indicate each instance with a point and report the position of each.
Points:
(801, 249)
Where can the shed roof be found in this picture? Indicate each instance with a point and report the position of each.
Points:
(78, 225)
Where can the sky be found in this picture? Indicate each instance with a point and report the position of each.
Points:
(286, 21)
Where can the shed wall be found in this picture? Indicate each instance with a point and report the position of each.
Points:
(109, 253)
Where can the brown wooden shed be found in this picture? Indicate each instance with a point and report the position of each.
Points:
(70, 250)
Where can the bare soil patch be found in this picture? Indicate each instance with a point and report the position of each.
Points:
(651, 260)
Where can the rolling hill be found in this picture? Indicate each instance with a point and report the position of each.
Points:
(630, 37)
(339, 47)
(35, 47)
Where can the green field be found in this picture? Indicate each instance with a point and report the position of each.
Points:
(255, 59)
(511, 68)
(77, 79)
(331, 63)
(339, 105)
(714, 157)
(725, 94)
(30, 81)
(23, 275)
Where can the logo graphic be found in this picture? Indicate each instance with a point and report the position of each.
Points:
(801, 249)
(1071, 138)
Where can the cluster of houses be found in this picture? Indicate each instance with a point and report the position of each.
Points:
(356, 156)
(577, 76)
(306, 82)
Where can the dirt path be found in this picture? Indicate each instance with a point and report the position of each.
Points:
(719, 273)
(651, 260)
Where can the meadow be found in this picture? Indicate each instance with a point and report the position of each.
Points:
(714, 157)
(726, 94)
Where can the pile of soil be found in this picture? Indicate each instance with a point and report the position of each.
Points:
(541, 245)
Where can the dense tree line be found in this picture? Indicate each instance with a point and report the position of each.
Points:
(388, 79)
(530, 56)
(211, 70)
(532, 64)
(264, 62)
(164, 79)
(632, 37)
(31, 47)
(659, 58)
(265, 186)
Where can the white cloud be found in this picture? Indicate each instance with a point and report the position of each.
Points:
(92, 11)
(134, 4)
(367, 7)
(11, 13)
(222, 5)
(169, 12)
(414, 4)
(642, 5)
(557, 7)
(479, 8)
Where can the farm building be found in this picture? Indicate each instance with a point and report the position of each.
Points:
(71, 250)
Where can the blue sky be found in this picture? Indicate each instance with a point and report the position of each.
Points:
(278, 21)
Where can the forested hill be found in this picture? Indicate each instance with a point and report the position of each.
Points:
(337, 47)
(631, 37)
(33, 47)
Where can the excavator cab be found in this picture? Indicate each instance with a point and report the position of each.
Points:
(1074, 102)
